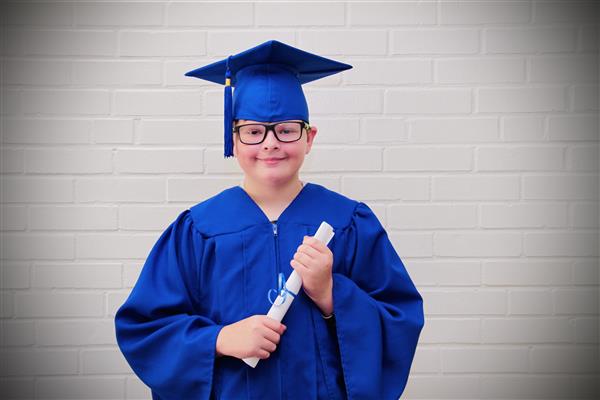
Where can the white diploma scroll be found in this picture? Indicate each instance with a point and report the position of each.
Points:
(293, 284)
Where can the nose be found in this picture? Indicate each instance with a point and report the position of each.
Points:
(270, 140)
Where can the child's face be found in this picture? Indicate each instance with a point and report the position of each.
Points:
(272, 161)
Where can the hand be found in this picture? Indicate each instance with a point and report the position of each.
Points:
(255, 336)
(313, 261)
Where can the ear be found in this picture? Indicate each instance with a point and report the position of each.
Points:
(310, 135)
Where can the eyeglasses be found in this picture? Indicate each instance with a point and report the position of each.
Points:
(286, 131)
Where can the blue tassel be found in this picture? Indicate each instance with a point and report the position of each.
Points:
(228, 117)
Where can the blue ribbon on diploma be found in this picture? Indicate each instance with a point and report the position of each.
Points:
(281, 289)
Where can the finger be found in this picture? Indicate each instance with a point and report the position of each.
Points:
(262, 354)
(271, 336)
(308, 250)
(268, 346)
(304, 259)
(272, 324)
(298, 266)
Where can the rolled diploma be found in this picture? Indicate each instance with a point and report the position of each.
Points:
(293, 284)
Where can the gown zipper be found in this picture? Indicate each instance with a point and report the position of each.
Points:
(277, 270)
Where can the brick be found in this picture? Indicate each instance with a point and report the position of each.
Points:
(343, 159)
(79, 388)
(576, 301)
(114, 301)
(573, 127)
(560, 187)
(586, 386)
(37, 246)
(585, 272)
(174, 72)
(36, 72)
(34, 190)
(571, 69)
(428, 101)
(72, 217)
(162, 43)
(485, 360)
(526, 330)
(112, 131)
(388, 72)
(484, 12)
(586, 330)
(523, 128)
(7, 305)
(120, 72)
(355, 101)
(210, 14)
(198, 189)
(480, 70)
(13, 218)
(46, 131)
(568, 359)
(55, 43)
(524, 215)
(561, 244)
(574, 12)
(435, 41)
(432, 216)
(384, 130)
(159, 161)
(224, 43)
(520, 158)
(382, 13)
(530, 40)
(216, 164)
(336, 130)
(77, 161)
(520, 99)
(12, 161)
(488, 244)
(442, 386)
(14, 275)
(526, 387)
(55, 304)
(38, 362)
(412, 245)
(446, 273)
(119, 189)
(136, 389)
(18, 333)
(379, 187)
(526, 273)
(427, 159)
(112, 246)
(173, 131)
(451, 330)
(481, 187)
(530, 302)
(67, 102)
(588, 38)
(77, 276)
(131, 272)
(584, 98)
(75, 333)
(464, 302)
(344, 42)
(147, 217)
(108, 361)
(115, 14)
(426, 360)
(39, 13)
(157, 102)
(582, 158)
(454, 130)
(290, 14)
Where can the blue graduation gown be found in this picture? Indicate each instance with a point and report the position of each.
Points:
(214, 266)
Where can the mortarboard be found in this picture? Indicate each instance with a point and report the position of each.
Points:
(268, 82)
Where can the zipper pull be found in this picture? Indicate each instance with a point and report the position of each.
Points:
(274, 228)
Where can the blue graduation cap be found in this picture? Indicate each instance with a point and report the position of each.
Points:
(268, 82)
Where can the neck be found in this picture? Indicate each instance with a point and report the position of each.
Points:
(269, 194)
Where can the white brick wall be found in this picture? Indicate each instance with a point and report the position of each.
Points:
(470, 127)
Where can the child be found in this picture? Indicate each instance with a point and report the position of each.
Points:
(198, 307)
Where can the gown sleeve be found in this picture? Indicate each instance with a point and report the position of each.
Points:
(167, 343)
(378, 312)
